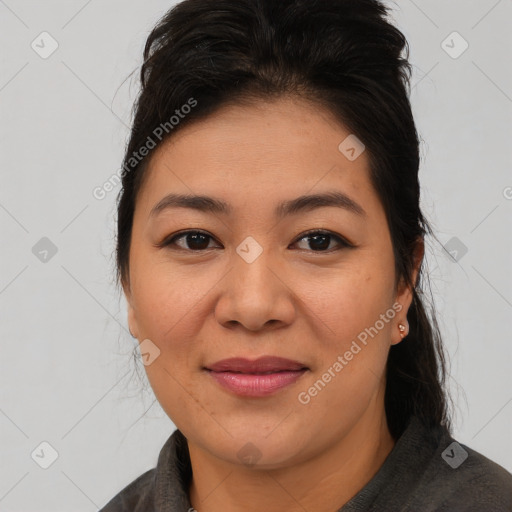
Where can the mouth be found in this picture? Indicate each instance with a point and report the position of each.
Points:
(262, 365)
(261, 377)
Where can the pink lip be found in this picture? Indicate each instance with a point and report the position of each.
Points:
(245, 384)
(261, 377)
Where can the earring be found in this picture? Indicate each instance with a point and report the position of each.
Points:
(402, 329)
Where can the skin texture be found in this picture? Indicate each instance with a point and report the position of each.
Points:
(292, 301)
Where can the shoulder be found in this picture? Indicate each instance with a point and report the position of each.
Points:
(480, 483)
(460, 479)
(164, 486)
(138, 496)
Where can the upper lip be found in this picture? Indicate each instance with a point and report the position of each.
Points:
(260, 365)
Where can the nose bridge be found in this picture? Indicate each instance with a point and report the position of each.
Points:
(253, 271)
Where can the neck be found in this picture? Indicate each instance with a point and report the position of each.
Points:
(324, 482)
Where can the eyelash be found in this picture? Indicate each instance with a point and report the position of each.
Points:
(308, 234)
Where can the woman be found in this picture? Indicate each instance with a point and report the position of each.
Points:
(270, 247)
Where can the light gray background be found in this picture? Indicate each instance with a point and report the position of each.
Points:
(67, 374)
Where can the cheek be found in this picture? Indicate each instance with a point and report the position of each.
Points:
(168, 308)
(350, 300)
(168, 303)
(357, 307)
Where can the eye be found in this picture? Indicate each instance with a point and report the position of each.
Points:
(195, 240)
(198, 241)
(320, 241)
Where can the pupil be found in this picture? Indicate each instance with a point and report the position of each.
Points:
(323, 245)
(198, 241)
(194, 241)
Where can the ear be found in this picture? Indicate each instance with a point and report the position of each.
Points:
(405, 294)
(132, 316)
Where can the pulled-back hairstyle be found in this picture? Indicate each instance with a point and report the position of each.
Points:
(342, 55)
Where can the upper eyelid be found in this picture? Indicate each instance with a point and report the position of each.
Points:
(299, 237)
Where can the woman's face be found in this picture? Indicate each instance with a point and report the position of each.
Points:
(255, 284)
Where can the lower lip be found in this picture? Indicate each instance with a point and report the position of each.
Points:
(247, 384)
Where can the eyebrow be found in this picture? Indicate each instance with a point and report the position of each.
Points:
(290, 207)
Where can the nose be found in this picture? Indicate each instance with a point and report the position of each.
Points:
(256, 296)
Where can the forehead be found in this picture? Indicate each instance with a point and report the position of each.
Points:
(256, 154)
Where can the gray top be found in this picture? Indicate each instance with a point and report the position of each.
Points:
(427, 471)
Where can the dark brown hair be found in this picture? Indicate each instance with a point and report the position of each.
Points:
(342, 55)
